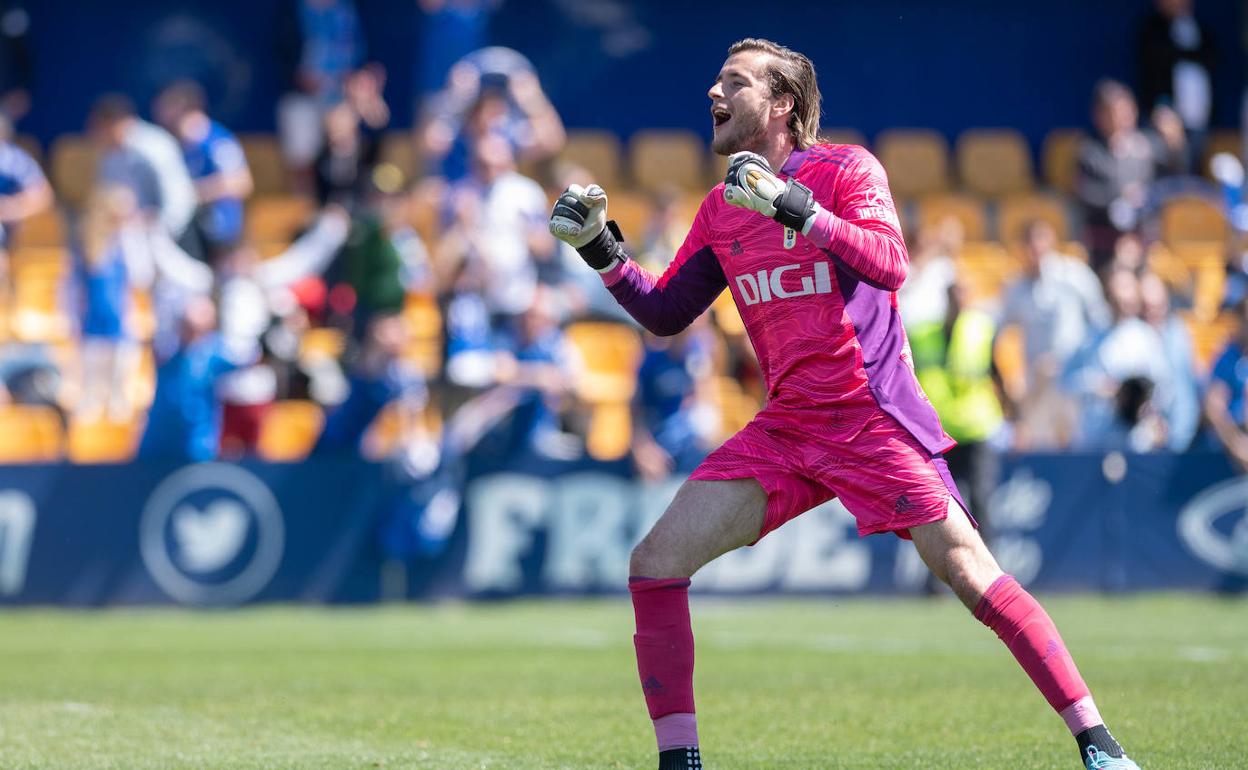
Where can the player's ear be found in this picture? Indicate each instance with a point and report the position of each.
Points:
(783, 105)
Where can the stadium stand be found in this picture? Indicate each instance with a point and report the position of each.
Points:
(994, 162)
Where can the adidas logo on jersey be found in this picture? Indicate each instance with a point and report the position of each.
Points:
(766, 285)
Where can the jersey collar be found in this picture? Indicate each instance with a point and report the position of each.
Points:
(795, 161)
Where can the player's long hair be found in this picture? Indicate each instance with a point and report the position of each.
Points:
(791, 73)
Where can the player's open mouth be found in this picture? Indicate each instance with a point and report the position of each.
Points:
(720, 116)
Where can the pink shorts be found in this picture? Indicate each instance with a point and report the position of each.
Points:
(885, 478)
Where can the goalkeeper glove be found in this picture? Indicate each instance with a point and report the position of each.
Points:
(579, 219)
(751, 184)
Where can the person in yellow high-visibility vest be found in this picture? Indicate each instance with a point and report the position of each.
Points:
(954, 364)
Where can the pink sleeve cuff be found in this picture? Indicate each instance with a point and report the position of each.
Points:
(823, 230)
(613, 274)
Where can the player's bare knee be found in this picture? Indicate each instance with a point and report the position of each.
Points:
(653, 558)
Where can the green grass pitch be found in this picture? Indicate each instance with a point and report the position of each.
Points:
(781, 683)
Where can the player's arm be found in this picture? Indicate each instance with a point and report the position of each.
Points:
(33, 197)
(861, 232)
(663, 304)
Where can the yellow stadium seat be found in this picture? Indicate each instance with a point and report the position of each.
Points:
(916, 159)
(30, 434)
(399, 149)
(102, 442)
(968, 210)
(424, 347)
(661, 159)
(45, 229)
(37, 314)
(610, 353)
(264, 159)
(994, 162)
(394, 424)
(322, 342)
(836, 135)
(736, 407)
(610, 433)
(1014, 212)
(1009, 354)
(1210, 337)
(277, 219)
(1170, 268)
(1222, 140)
(599, 152)
(1060, 158)
(986, 268)
(631, 211)
(290, 430)
(1189, 218)
(142, 319)
(727, 317)
(74, 160)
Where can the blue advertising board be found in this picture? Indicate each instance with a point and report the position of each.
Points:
(338, 530)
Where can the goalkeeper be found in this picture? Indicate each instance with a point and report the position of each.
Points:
(813, 255)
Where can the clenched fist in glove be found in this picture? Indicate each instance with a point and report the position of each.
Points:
(579, 219)
(751, 184)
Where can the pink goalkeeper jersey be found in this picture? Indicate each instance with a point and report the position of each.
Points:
(820, 310)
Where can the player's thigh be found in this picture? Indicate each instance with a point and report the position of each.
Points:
(707, 518)
(954, 551)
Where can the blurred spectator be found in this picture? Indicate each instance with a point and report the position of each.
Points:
(675, 418)
(216, 163)
(953, 359)
(379, 376)
(248, 287)
(469, 344)
(16, 68)
(1058, 303)
(1176, 63)
(1224, 399)
(1236, 286)
(1118, 165)
(108, 237)
(924, 297)
(28, 375)
(535, 360)
(24, 191)
(665, 231)
(342, 169)
(321, 43)
(145, 159)
(498, 219)
(490, 92)
(184, 422)
(1182, 409)
(1120, 381)
(384, 259)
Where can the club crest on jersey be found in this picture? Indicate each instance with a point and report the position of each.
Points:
(790, 237)
(766, 285)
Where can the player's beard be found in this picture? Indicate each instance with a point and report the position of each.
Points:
(746, 133)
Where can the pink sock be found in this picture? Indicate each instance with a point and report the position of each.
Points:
(664, 642)
(1030, 635)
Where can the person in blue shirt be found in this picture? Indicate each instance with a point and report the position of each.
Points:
(184, 422)
(215, 161)
(675, 421)
(24, 191)
(107, 238)
(1224, 397)
(379, 377)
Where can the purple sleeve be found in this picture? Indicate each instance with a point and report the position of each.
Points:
(667, 304)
